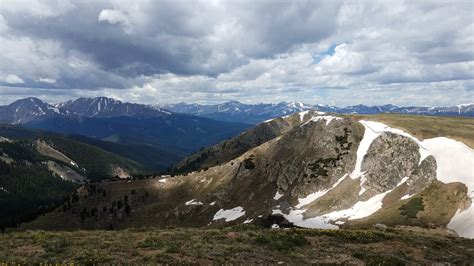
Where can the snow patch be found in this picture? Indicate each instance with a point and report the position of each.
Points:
(369, 136)
(360, 210)
(363, 208)
(269, 120)
(163, 180)
(407, 196)
(277, 196)
(328, 119)
(193, 202)
(229, 215)
(296, 217)
(313, 196)
(248, 221)
(212, 203)
(302, 114)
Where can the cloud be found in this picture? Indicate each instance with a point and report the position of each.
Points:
(114, 16)
(152, 51)
(37, 8)
(10, 79)
(47, 80)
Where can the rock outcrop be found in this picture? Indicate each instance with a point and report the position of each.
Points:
(391, 158)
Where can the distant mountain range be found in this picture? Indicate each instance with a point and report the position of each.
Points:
(143, 129)
(234, 111)
(157, 136)
(31, 109)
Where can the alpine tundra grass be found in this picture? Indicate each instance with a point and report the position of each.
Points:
(239, 244)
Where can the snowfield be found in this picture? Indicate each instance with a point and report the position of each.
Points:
(314, 196)
(360, 210)
(455, 164)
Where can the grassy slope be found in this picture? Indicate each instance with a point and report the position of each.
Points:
(242, 244)
(425, 127)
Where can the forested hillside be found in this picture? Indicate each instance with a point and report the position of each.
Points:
(39, 171)
(27, 186)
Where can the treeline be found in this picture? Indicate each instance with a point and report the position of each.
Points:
(93, 204)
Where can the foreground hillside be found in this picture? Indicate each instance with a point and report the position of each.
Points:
(241, 244)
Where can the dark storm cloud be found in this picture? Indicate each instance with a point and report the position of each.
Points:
(169, 38)
(110, 47)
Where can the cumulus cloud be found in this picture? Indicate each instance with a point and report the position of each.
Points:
(334, 52)
(114, 16)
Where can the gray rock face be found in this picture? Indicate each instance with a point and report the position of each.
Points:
(392, 157)
(423, 175)
(313, 156)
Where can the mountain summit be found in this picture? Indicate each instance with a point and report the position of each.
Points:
(27, 110)
(108, 107)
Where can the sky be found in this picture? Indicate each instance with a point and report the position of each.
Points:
(328, 52)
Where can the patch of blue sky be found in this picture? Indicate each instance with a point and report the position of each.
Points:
(329, 52)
